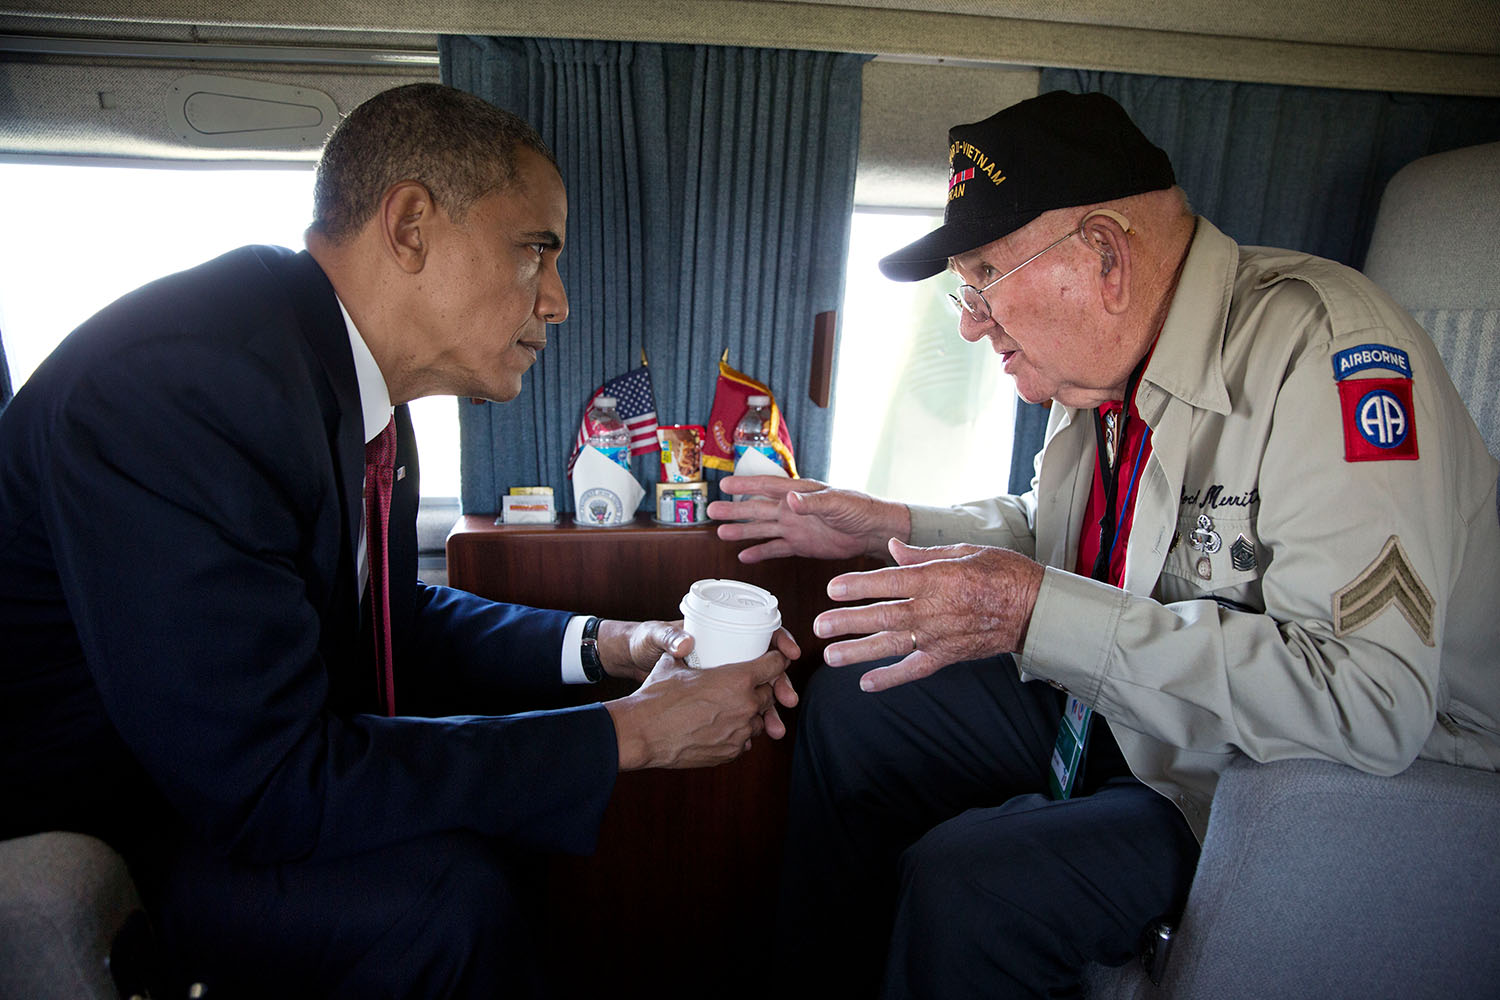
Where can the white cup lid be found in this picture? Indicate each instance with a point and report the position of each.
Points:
(732, 604)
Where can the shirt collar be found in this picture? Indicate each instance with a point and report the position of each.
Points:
(374, 395)
(1189, 364)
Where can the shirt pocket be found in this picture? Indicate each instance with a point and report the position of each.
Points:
(1215, 553)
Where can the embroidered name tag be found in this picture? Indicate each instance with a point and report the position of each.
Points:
(1357, 359)
(1380, 423)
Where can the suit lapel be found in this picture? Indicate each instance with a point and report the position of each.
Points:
(403, 526)
(323, 326)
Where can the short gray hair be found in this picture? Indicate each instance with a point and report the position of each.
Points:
(458, 146)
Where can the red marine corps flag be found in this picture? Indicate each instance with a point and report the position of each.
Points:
(729, 405)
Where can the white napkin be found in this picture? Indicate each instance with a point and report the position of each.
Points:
(755, 463)
(604, 494)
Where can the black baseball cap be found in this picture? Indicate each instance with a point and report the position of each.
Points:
(1053, 151)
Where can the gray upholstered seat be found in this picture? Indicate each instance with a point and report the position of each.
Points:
(1436, 249)
(1318, 880)
(64, 897)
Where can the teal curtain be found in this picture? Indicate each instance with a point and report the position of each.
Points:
(1296, 167)
(710, 191)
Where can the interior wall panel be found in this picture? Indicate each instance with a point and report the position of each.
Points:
(1440, 46)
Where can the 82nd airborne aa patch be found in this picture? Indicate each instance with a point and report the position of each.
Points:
(1380, 423)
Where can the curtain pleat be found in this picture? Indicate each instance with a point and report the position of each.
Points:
(709, 196)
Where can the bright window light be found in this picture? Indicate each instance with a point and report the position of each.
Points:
(919, 415)
(82, 235)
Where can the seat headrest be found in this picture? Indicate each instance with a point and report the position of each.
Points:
(1436, 243)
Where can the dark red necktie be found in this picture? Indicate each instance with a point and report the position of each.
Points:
(380, 465)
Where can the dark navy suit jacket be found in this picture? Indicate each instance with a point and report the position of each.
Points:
(181, 646)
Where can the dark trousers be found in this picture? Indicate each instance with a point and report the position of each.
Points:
(440, 916)
(924, 853)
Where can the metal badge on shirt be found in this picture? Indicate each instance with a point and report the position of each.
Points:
(1206, 540)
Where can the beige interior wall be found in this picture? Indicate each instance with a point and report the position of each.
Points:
(940, 61)
(121, 109)
(904, 120)
(1447, 46)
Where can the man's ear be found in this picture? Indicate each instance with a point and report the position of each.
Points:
(1111, 241)
(407, 217)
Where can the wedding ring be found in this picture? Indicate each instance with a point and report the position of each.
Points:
(914, 642)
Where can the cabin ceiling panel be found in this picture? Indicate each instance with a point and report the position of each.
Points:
(1443, 25)
(122, 109)
(209, 34)
(905, 115)
(1440, 46)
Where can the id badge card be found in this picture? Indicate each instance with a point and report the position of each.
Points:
(1068, 751)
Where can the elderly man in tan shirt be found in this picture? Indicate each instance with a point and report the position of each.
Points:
(1262, 523)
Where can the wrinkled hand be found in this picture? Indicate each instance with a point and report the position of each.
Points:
(631, 649)
(803, 517)
(682, 717)
(960, 602)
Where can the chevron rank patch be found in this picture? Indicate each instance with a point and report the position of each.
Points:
(1388, 580)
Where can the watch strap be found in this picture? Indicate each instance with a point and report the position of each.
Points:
(588, 652)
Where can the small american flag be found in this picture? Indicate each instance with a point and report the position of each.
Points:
(636, 405)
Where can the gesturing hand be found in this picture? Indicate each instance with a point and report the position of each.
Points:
(938, 606)
(803, 517)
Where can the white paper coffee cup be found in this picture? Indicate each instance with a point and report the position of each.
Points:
(730, 622)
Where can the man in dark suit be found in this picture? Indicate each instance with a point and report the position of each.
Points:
(189, 669)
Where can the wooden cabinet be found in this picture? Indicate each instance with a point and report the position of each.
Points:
(677, 900)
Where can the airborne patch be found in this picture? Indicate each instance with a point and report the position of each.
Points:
(1388, 580)
(1357, 359)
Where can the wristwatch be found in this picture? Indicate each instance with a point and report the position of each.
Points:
(588, 652)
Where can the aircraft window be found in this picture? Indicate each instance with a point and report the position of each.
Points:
(84, 234)
(938, 412)
(919, 414)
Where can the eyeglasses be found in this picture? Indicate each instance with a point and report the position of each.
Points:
(972, 301)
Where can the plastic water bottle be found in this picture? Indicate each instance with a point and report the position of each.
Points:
(753, 432)
(610, 435)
